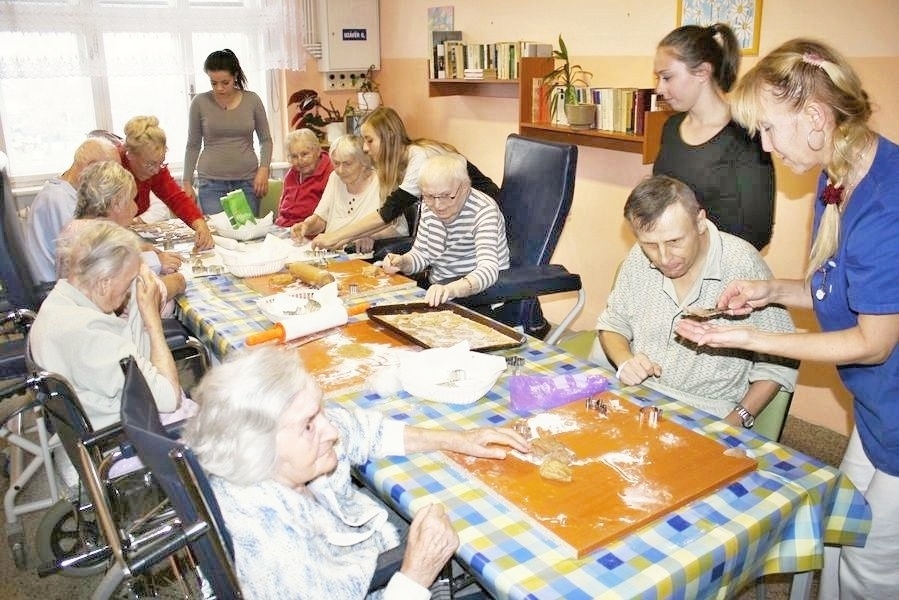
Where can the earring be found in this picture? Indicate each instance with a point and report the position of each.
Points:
(808, 140)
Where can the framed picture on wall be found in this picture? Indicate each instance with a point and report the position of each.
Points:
(743, 16)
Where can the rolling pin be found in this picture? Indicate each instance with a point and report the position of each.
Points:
(292, 328)
(309, 274)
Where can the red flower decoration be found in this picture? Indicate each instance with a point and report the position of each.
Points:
(832, 195)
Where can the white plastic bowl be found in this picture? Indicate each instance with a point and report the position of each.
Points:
(422, 373)
(253, 265)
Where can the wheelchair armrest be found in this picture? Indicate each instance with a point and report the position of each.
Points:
(175, 333)
(105, 434)
(15, 402)
(518, 283)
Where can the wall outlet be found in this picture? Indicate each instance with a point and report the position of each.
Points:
(343, 80)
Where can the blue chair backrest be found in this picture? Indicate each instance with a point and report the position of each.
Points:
(535, 197)
(175, 468)
(18, 288)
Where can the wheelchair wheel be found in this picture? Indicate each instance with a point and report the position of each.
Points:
(61, 535)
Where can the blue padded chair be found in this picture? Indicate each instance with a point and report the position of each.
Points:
(535, 197)
(176, 469)
(19, 289)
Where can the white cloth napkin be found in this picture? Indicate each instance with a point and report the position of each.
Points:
(271, 249)
(424, 373)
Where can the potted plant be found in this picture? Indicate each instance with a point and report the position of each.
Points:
(326, 121)
(369, 97)
(569, 77)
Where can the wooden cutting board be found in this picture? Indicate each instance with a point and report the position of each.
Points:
(345, 357)
(368, 279)
(625, 473)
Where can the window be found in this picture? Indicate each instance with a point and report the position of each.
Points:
(70, 66)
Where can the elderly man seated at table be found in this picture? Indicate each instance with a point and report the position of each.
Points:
(79, 335)
(682, 262)
(279, 462)
(352, 192)
(304, 182)
(54, 207)
(461, 234)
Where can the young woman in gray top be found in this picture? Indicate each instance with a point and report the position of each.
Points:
(220, 134)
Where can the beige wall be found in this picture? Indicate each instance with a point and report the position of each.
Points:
(617, 47)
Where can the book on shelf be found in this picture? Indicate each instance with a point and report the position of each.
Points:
(479, 74)
(438, 51)
(532, 49)
(455, 59)
(540, 100)
(642, 105)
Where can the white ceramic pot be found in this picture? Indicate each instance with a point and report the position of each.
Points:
(334, 130)
(368, 100)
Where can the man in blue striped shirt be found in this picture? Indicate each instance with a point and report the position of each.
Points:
(461, 234)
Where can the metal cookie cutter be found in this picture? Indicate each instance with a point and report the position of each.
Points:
(598, 404)
(522, 428)
(650, 415)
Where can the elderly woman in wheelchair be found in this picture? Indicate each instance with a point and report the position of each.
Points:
(79, 335)
(280, 460)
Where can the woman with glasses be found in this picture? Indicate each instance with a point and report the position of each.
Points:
(397, 160)
(221, 124)
(305, 181)
(461, 236)
(810, 107)
(143, 154)
(352, 192)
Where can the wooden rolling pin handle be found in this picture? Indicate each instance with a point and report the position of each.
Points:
(357, 309)
(275, 333)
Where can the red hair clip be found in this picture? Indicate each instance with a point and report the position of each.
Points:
(832, 195)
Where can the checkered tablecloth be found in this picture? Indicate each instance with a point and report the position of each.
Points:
(774, 520)
(221, 310)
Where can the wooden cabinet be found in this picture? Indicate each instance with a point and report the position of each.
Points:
(646, 145)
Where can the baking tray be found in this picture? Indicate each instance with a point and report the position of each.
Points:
(376, 313)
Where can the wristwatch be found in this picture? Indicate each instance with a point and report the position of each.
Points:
(745, 415)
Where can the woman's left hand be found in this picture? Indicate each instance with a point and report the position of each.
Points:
(169, 263)
(260, 182)
(715, 336)
(488, 442)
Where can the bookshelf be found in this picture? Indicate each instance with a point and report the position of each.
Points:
(492, 88)
(646, 145)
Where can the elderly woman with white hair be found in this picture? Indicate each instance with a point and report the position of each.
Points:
(352, 192)
(305, 181)
(78, 334)
(107, 192)
(461, 235)
(279, 462)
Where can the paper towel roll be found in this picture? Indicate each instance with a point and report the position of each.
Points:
(325, 318)
(309, 274)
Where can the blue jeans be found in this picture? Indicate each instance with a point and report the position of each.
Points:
(210, 190)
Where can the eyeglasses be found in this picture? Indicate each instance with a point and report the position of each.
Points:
(154, 165)
(433, 199)
(824, 287)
